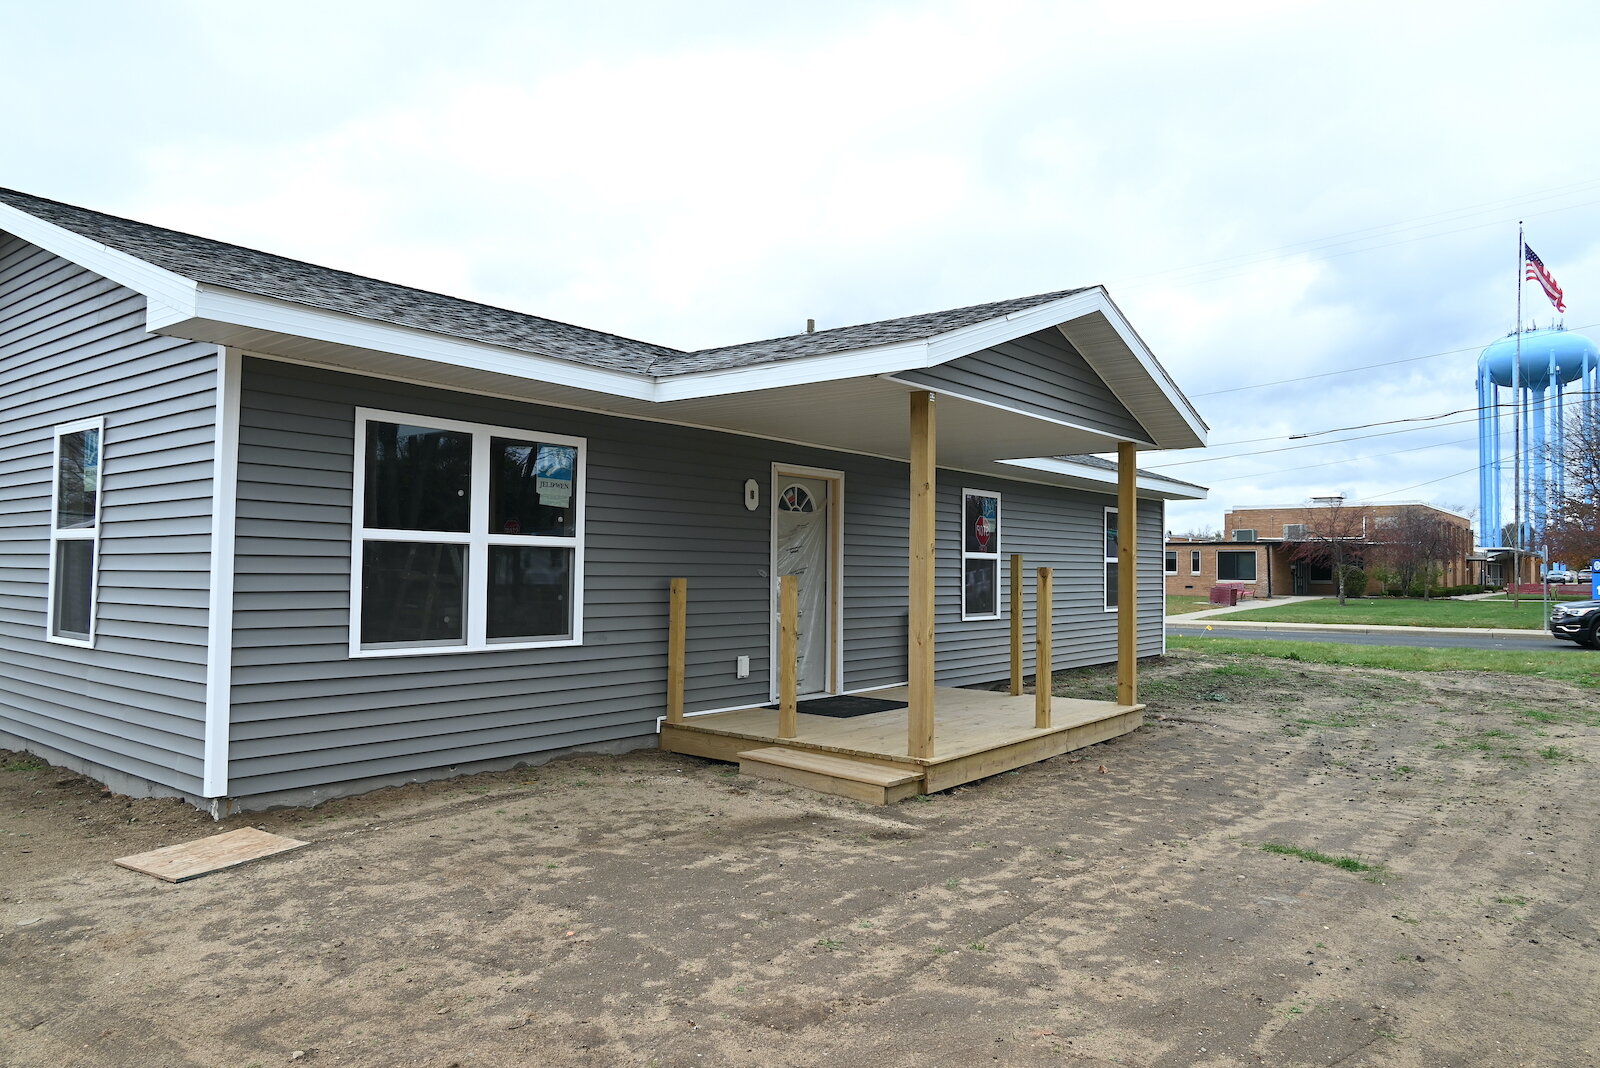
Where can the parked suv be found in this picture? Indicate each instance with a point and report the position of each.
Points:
(1577, 621)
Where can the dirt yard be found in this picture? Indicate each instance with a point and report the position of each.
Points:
(1110, 907)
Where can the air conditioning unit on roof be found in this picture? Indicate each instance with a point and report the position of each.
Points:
(1244, 535)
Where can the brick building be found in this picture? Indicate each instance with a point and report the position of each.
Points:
(1256, 550)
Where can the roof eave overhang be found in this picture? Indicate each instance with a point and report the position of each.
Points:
(183, 307)
(1148, 485)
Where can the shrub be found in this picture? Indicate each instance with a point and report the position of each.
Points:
(1355, 581)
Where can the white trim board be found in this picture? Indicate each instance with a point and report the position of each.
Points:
(219, 632)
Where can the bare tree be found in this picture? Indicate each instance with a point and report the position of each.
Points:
(1572, 532)
(1336, 535)
(1415, 544)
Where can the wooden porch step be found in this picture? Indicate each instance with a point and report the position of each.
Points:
(841, 776)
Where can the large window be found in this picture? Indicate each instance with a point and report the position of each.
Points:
(1111, 559)
(980, 554)
(1234, 565)
(466, 537)
(75, 532)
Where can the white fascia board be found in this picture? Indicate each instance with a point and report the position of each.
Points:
(969, 339)
(881, 359)
(1147, 361)
(853, 363)
(167, 293)
(1153, 483)
(227, 306)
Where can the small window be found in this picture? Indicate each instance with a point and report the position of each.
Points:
(470, 537)
(1172, 562)
(796, 498)
(980, 554)
(1194, 561)
(1111, 559)
(1236, 566)
(75, 533)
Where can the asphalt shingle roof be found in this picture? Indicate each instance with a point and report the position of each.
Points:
(251, 271)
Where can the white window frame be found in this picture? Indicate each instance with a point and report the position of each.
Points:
(1111, 558)
(961, 525)
(1194, 562)
(476, 538)
(1255, 564)
(91, 534)
(1171, 557)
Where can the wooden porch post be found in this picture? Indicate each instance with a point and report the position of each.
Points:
(1127, 576)
(677, 632)
(1044, 675)
(919, 651)
(1016, 624)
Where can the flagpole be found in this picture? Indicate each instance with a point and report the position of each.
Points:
(1516, 424)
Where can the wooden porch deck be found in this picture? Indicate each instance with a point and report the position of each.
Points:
(980, 733)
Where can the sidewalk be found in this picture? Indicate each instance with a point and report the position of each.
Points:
(1209, 618)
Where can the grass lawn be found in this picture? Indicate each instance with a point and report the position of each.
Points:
(1582, 670)
(1177, 606)
(1399, 612)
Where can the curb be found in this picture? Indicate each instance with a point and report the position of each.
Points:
(1356, 628)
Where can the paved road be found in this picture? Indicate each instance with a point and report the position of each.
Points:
(1432, 640)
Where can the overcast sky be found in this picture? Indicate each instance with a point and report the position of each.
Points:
(1269, 190)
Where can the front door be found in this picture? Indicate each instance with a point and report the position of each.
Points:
(1302, 582)
(802, 536)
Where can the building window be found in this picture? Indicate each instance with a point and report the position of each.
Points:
(1194, 561)
(1236, 566)
(980, 554)
(466, 537)
(75, 533)
(1111, 559)
(1172, 562)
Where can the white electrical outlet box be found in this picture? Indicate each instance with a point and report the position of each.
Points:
(743, 670)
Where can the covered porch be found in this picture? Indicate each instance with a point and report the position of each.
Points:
(942, 737)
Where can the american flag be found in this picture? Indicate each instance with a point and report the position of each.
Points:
(1538, 272)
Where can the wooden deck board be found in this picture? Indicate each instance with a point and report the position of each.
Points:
(979, 733)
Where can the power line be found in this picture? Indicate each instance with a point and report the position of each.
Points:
(1311, 445)
(1471, 470)
(1348, 460)
(1341, 441)
(1353, 370)
(1333, 240)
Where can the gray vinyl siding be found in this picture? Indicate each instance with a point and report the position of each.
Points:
(1041, 374)
(1055, 528)
(662, 502)
(73, 346)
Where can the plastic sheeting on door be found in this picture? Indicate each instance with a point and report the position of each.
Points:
(801, 542)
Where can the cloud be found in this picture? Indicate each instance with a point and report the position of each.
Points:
(1271, 190)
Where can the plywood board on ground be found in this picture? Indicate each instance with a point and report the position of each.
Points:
(176, 863)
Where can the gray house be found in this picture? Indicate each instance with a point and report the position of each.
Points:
(271, 532)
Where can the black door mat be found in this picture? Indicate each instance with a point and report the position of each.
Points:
(845, 707)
